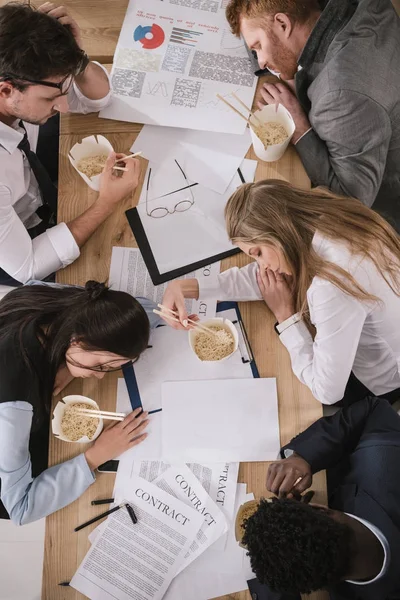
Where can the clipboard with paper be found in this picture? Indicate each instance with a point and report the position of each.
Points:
(179, 226)
(170, 359)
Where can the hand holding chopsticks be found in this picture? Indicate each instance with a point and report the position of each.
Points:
(167, 313)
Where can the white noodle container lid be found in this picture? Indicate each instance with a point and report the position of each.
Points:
(89, 146)
(58, 414)
(266, 115)
(193, 333)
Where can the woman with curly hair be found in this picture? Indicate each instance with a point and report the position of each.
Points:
(50, 334)
(328, 268)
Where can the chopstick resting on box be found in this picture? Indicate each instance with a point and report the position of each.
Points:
(101, 414)
(248, 121)
(246, 108)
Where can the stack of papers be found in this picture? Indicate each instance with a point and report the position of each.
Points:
(185, 531)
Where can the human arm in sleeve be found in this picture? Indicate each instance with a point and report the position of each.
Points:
(234, 284)
(25, 259)
(91, 90)
(328, 440)
(325, 363)
(25, 498)
(346, 148)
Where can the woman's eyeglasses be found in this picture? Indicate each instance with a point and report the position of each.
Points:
(181, 206)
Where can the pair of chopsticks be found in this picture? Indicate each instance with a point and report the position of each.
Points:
(125, 157)
(101, 414)
(172, 314)
(247, 119)
(128, 507)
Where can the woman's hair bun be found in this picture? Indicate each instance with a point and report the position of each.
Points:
(95, 289)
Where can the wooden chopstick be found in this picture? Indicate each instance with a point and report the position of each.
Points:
(246, 107)
(236, 111)
(131, 156)
(105, 412)
(99, 416)
(196, 324)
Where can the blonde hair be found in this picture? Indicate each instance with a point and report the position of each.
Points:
(274, 213)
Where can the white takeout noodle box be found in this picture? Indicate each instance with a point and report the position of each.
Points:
(58, 414)
(217, 321)
(89, 146)
(269, 114)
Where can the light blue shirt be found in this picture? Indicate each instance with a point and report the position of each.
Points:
(25, 498)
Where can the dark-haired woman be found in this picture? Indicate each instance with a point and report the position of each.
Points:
(48, 335)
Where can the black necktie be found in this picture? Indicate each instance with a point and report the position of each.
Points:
(48, 211)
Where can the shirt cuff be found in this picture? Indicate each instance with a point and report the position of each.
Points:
(84, 467)
(209, 289)
(301, 137)
(64, 244)
(296, 335)
(90, 104)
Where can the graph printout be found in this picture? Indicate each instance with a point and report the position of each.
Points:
(172, 59)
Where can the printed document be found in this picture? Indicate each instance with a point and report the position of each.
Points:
(139, 561)
(128, 273)
(171, 61)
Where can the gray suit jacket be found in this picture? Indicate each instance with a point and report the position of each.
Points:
(349, 84)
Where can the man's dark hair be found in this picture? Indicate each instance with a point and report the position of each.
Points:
(34, 45)
(297, 548)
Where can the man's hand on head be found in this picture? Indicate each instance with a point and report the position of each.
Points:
(61, 14)
(279, 93)
(289, 476)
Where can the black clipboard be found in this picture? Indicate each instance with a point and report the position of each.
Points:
(157, 278)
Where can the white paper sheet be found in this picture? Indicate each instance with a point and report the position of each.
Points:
(128, 273)
(138, 561)
(171, 61)
(180, 482)
(220, 420)
(183, 238)
(170, 358)
(208, 158)
(215, 573)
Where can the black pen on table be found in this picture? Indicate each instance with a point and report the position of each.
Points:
(105, 501)
(104, 514)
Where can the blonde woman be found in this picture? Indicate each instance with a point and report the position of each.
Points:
(323, 260)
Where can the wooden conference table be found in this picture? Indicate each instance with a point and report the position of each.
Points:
(101, 21)
(65, 549)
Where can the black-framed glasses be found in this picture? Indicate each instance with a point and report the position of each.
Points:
(63, 86)
(181, 206)
(101, 368)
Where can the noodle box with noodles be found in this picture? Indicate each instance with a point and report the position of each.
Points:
(216, 322)
(93, 145)
(58, 414)
(269, 114)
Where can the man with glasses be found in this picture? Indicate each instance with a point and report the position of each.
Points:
(352, 547)
(44, 71)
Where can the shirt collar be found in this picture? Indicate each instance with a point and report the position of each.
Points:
(386, 551)
(334, 16)
(10, 137)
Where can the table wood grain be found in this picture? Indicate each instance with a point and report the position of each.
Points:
(65, 549)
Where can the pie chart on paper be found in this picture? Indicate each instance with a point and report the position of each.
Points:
(151, 36)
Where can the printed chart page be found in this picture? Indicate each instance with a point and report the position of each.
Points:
(171, 61)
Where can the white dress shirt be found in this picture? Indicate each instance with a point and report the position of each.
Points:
(386, 551)
(363, 337)
(23, 258)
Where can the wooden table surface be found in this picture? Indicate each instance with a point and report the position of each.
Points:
(64, 549)
(101, 21)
